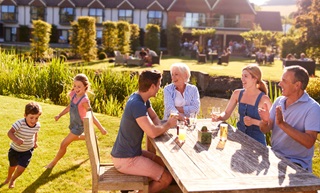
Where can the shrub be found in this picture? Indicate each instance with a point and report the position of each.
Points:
(313, 89)
(102, 55)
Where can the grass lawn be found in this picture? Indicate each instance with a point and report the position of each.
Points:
(233, 69)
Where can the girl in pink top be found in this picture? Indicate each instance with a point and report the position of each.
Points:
(78, 107)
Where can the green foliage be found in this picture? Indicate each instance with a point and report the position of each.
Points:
(158, 103)
(87, 37)
(313, 89)
(134, 38)
(124, 35)
(152, 37)
(74, 38)
(174, 39)
(288, 45)
(40, 38)
(109, 36)
(102, 55)
(199, 32)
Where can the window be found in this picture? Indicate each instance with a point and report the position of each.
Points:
(66, 15)
(96, 13)
(10, 34)
(125, 15)
(8, 13)
(195, 20)
(155, 17)
(37, 13)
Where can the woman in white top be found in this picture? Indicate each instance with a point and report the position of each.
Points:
(181, 96)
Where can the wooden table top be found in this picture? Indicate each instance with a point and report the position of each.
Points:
(243, 165)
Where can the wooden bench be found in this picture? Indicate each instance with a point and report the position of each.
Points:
(310, 66)
(105, 176)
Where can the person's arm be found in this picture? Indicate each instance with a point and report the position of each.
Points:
(153, 116)
(229, 109)
(192, 98)
(152, 130)
(248, 121)
(307, 138)
(63, 112)
(168, 100)
(35, 140)
(266, 122)
(86, 105)
(14, 138)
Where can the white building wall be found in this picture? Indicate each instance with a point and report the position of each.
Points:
(143, 19)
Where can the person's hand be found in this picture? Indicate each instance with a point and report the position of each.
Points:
(248, 121)
(172, 121)
(264, 112)
(279, 116)
(35, 145)
(216, 118)
(18, 141)
(57, 117)
(103, 131)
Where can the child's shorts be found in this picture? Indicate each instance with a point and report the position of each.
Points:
(19, 158)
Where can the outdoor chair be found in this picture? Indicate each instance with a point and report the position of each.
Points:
(119, 58)
(157, 59)
(224, 59)
(104, 176)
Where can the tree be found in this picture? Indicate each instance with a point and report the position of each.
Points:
(87, 37)
(74, 38)
(40, 39)
(174, 38)
(123, 36)
(308, 22)
(152, 37)
(109, 36)
(135, 37)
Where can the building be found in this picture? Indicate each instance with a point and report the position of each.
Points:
(228, 17)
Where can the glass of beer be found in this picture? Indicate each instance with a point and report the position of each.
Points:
(223, 131)
(182, 131)
(173, 113)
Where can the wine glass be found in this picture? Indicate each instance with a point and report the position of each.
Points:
(215, 112)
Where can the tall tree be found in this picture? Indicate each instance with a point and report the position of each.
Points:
(87, 35)
(308, 22)
(40, 39)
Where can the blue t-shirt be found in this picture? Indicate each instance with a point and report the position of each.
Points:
(130, 135)
(302, 115)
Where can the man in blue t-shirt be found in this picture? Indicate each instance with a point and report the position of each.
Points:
(293, 119)
(138, 118)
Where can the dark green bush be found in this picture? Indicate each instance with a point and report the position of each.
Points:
(102, 55)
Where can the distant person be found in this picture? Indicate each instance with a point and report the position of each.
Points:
(78, 107)
(24, 138)
(290, 57)
(249, 99)
(293, 119)
(180, 95)
(150, 55)
(138, 118)
(303, 57)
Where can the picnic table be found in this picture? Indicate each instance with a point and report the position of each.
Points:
(241, 165)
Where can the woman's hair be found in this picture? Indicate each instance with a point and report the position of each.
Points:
(255, 72)
(147, 78)
(84, 79)
(183, 68)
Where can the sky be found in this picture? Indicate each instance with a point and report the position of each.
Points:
(258, 2)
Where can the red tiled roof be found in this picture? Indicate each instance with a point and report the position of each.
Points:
(233, 6)
(199, 6)
(269, 20)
